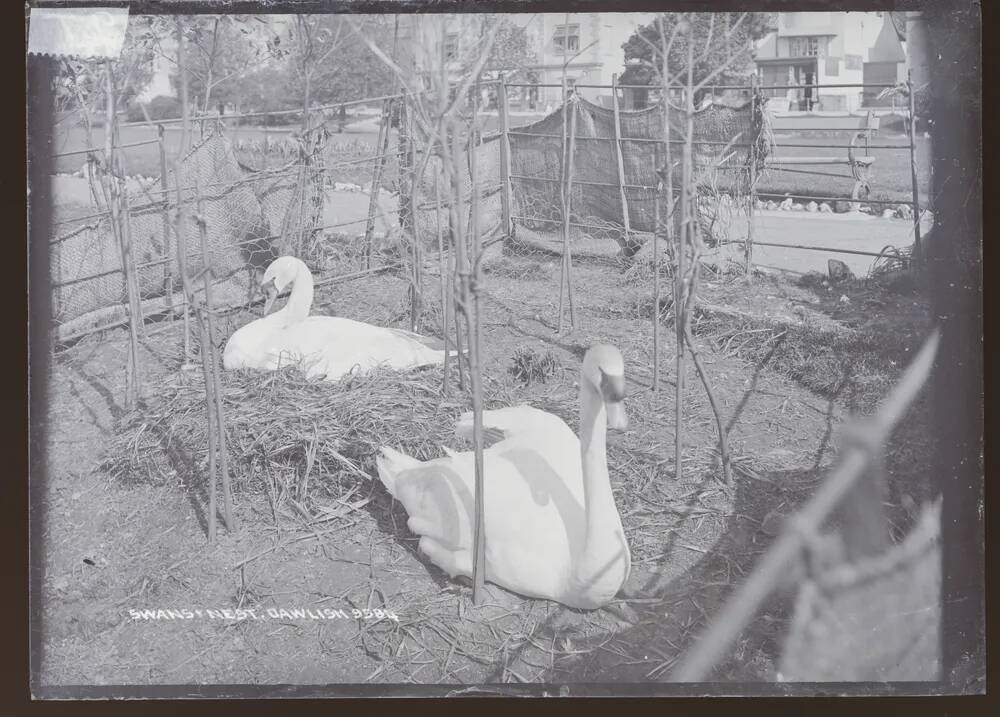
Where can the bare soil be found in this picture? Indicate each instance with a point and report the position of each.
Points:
(110, 547)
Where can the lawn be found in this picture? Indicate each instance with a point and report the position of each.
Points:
(890, 173)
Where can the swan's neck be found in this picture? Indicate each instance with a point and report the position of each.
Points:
(300, 302)
(602, 522)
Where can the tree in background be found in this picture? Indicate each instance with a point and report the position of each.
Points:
(267, 90)
(724, 33)
(80, 84)
(324, 61)
(511, 50)
(223, 50)
(351, 71)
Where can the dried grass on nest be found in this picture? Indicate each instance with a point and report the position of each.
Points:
(274, 420)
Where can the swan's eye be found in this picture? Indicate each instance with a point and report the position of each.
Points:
(612, 387)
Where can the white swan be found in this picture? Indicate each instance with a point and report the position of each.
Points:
(552, 528)
(326, 346)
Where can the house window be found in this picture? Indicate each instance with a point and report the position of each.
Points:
(807, 46)
(567, 38)
(852, 62)
(833, 67)
(451, 46)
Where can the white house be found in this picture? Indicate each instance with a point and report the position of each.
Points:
(592, 44)
(818, 48)
(588, 44)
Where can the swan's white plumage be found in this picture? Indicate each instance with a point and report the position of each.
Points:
(541, 539)
(326, 346)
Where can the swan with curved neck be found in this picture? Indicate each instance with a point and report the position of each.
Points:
(326, 346)
(552, 528)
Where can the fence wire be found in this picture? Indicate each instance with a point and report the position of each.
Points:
(261, 198)
(723, 138)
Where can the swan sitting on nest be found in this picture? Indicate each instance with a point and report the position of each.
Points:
(552, 527)
(327, 346)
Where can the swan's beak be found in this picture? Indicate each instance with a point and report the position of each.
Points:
(272, 294)
(613, 390)
(617, 419)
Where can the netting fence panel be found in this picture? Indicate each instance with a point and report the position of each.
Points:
(87, 279)
(303, 193)
(596, 204)
(489, 210)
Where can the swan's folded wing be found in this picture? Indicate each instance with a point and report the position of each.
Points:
(504, 423)
(428, 341)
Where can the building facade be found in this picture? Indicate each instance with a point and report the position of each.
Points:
(817, 48)
(886, 65)
(589, 45)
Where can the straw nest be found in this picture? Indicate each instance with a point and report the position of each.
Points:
(287, 431)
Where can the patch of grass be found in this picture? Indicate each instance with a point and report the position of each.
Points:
(891, 179)
(529, 366)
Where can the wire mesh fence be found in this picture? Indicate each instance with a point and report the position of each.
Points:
(341, 203)
(617, 154)
(297, 193)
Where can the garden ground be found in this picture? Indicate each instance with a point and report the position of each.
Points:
(788, 361)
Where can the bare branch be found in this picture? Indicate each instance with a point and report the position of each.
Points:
(403, 76)
(484, 53)
(708, 40)
(726, 64)
(739, 21)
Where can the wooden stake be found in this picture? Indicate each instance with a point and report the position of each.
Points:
(683, 239)
(475, 374)
(212, 423)
(751, 190)
(113, 192)
(205, 339)
(132, 288)
(458, 328)
(406, 211)
(178, 163)
(656, 290)
(382, 149)
(211, 360)
(567, 202)
(619, 158)
(182, 267)
(505, 196)
(417, 303)
(465, 268)
(442, 267)
(168, 270)
(912, 127)
(666, 183)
